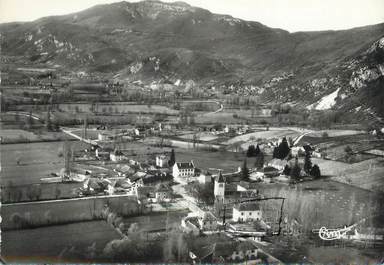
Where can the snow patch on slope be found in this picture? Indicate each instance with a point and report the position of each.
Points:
(325, 102)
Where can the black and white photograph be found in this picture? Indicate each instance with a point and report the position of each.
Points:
(192, 132)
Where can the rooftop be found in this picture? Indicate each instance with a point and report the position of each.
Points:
(250, 206)
(209, 216)
(226, 249)
(221, 178)
(185, 165)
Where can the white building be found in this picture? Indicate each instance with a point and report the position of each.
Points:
(236, 252)
(246, 212)
(162, 193)
(257, 176)
(102, 137)
(278, 163)
(116, 156)
(204, 178)
(161, 161)
(183, 169)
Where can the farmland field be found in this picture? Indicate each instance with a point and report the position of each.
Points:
(367, 174)
(42, 213)
(14, 134)
(219, 117)
(264, 135)
(322, 203)
(157, 221)
(37, 160)
(204, 136)
(60, 243)
(335, 133)
(117, 108)
(227, 161)
(344, 255)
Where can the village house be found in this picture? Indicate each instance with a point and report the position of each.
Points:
(102, 154)
(222, 252)
(196, 223)
(161, 161)
(279, 164)
(116, 156)
(270, 172)
(297, 151)
(162, 193)
(256, 176)
(183, 169)
(103, 137)
(205, 178)
(190, 224)
(246, 212)
(235, 252)
(207, 221)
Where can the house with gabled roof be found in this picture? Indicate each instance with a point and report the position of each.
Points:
(243, 212)
(237, 251)
(183, 169)
(116, 156)
(207, 221)
(225, 251)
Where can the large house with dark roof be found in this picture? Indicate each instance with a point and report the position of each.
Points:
(223, 252)
(246, 212)
(183, 169)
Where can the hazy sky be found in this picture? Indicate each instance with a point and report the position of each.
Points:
(292, 15)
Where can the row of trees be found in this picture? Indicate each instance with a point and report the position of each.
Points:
(16, 193)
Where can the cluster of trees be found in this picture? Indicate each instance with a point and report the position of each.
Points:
(137, 248)
(282, 150)
(242, 101)
(348, 153)
(295, 171)
(259, 162)
(253, 151)
(202, 192)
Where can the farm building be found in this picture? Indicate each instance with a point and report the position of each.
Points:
(246, 212)
(183, 169)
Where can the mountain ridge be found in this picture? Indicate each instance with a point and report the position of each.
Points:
(156, 41)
